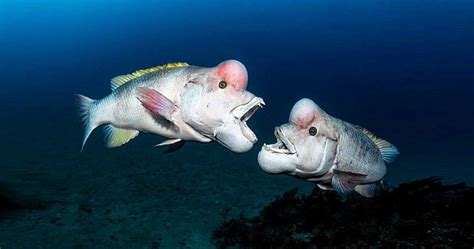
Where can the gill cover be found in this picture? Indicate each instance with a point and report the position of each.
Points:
(208, 103)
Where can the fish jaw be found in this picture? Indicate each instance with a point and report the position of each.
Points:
(283, 144)
(280, 157)
(244, 112)
(235, 134)
(277, 163)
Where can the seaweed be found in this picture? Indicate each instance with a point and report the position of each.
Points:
(424, 213)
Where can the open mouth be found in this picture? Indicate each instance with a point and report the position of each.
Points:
(243, 113)
(283, 144)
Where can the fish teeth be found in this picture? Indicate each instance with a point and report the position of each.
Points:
(278, 150)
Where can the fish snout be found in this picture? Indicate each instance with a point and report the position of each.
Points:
(234, 133)
(244, 111)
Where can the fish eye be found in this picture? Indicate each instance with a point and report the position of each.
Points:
(313, 131)
(222, 84)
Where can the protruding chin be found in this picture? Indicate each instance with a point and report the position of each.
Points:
(275, 163)
(236, 136)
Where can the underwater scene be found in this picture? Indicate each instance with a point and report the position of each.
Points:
(237, 124)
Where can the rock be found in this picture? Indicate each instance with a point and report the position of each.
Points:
(418, 214)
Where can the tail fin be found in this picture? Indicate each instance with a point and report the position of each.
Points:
(84, 103)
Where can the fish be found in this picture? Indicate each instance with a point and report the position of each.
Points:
(334, 154)
(179, 102)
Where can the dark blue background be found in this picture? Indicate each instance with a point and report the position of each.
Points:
(403, 69)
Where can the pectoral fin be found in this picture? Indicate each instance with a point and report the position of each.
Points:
(115, 137)
(344, 182)
(156, 102)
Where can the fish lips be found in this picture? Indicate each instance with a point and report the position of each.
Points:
(235, 134)
(283, 144)
(280, 157)
(244, 112)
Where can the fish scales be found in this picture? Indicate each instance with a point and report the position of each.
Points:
(332, 153)
(178, 102)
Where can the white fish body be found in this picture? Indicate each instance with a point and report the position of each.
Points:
(169, 101)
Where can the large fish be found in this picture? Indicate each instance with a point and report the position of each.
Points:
(177, 101)
(334, 154)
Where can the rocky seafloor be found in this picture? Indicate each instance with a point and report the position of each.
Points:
(419, 214)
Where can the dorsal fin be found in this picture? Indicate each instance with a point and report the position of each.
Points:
(389, 151)
(122, 79)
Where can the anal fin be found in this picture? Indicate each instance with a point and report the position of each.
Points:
(116, 137)
(367, 190)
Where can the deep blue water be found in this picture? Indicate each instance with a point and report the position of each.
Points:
(402, 69)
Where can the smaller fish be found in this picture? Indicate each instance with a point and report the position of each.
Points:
(334, 154)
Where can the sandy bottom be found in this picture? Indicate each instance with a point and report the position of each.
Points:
(130, 197)
(136, 196)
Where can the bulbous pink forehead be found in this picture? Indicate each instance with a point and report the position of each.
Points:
(303, 113)
(234, 73)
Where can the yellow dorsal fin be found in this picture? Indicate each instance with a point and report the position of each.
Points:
(122, 79)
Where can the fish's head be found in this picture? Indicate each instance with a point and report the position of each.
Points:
(216, 104)
(303, 145)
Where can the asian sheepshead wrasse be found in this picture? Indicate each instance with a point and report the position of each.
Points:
(177, 101)
(335, 154)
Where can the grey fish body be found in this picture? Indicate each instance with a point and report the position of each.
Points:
(332, 153)
(357, 153)
(353, 152)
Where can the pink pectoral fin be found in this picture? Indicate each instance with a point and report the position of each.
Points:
(156, 102)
